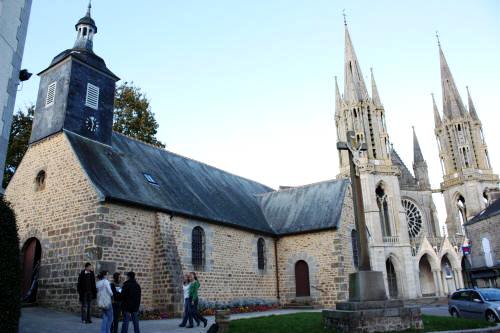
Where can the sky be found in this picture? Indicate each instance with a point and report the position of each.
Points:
(248, 86)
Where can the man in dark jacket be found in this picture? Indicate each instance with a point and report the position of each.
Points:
(131, 300)
(87, 291)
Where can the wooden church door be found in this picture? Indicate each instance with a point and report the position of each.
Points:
(302, 288)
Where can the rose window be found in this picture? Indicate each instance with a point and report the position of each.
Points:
(413, 218)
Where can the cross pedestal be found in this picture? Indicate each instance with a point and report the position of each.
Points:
(368, 309)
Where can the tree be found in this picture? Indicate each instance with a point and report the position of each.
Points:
(18, 141)
(10, 283)
(133, 116)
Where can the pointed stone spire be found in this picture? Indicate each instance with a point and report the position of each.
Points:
(472, 109)
(437, 117)
(375, 95)
(417, 153)
(338, 98)
(354, 84)
(452, 102)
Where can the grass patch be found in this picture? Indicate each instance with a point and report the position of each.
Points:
(311, 322)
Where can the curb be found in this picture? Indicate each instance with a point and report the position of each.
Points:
(495, 329)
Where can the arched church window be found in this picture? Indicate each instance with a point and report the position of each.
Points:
(85, 31)
(198, 248)
(487, 160)
(486, 197)
(354, 244)
(413, 218)
(40, 181)
(261, 250)
(462, 210)
(383, 208)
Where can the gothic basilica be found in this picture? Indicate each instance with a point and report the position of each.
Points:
(85, 193)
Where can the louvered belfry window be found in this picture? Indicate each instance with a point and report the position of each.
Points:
(51, 94)
(261, 259)
(198, 248)
(92, 97)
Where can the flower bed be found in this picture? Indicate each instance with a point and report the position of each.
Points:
(239, 306)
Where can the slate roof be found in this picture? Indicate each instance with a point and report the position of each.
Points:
(406, 179)
(306, 208)
(193, 189)
(492, 210)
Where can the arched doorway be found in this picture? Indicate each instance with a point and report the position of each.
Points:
(447, 273)
(31, 257)
(392, 279)
(302, 288)
(426, 277)
(466, 273)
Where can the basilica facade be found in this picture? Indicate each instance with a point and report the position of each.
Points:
(85, 193)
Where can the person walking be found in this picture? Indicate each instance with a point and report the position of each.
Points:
(193, 295)
(116, 289)
(87, 291)
(188, 315)
(104, 301)
(131, 300)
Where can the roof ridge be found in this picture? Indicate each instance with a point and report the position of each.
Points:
(292, 188)
(192, 159)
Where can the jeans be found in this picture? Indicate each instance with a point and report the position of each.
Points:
(196, 314)
(107, 319)
(116, 317)
(86, 299)
(188, 314)
(127, 316)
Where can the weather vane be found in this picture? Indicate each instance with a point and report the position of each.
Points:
(344, 15)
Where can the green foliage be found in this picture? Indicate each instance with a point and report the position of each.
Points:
(133, 116)
(18, 141)
(312, 322)
(10, 282)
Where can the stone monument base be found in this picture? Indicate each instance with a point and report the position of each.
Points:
(372, 316)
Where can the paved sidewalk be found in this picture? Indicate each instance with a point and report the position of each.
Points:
(42, 320)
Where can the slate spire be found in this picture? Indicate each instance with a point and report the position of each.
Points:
(437, 117)
(375, 95)
(472, 109)
(452, 102)
(354, 84)
(417, 152)
(86, 29)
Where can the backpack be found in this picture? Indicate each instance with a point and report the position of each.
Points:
(213, 329)
(103, 299)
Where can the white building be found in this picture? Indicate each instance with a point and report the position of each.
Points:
(14, 17)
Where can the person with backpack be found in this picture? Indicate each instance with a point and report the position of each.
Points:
(117, 304)
(87, 291)
(131, 300)
(193, 295)
(104, 299)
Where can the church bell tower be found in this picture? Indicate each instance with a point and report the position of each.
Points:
(467, 173)
(76, 91)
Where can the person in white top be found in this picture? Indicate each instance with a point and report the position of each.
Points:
(104, 301)
(188, 316)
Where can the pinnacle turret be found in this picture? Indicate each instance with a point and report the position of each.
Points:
(338, 98)
(375, 95)
(86, 28)
(472, 109)
(354, 84)
(417, 152)
(437, 116)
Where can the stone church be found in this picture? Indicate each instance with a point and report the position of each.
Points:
(85, 193)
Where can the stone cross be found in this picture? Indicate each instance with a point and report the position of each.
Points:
(355, 149)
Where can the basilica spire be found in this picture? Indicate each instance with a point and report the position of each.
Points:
(86, 29)
(354, 84)
(417, 152)
(452, 102)
(437, 117)
(472, 109)
(375, 95)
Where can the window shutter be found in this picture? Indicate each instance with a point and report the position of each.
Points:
(51, 94)
(92, 98)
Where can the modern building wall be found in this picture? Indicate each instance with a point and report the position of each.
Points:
(14, 17)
